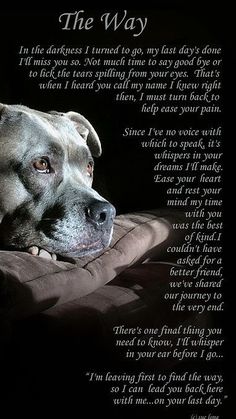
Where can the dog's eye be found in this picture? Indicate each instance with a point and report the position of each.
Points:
(42, 165)
(90, 168)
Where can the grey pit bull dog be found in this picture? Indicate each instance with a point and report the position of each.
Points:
(47, 204)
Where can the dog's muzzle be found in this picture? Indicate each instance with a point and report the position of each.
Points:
(76, 230)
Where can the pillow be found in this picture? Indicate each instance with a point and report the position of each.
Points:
(30, 284)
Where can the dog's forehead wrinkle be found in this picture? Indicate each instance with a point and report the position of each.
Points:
(57, 127)
(40, 122)
(24, 110)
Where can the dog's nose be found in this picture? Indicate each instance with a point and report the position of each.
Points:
(101, 213)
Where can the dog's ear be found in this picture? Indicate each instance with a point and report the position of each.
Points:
(86, 130)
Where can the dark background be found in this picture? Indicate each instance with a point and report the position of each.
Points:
(124, 172)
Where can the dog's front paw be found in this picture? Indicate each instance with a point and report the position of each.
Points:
(36, 251)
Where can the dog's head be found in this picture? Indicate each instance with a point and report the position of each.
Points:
(46, 174)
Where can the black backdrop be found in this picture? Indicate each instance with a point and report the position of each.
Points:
(124, 172)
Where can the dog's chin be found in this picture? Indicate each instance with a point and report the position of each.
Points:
(69, 247)
(80, 248)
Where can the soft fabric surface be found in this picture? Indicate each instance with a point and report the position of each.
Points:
(30, 284)
(136, 296)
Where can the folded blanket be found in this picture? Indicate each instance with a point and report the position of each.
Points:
(30, 284)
